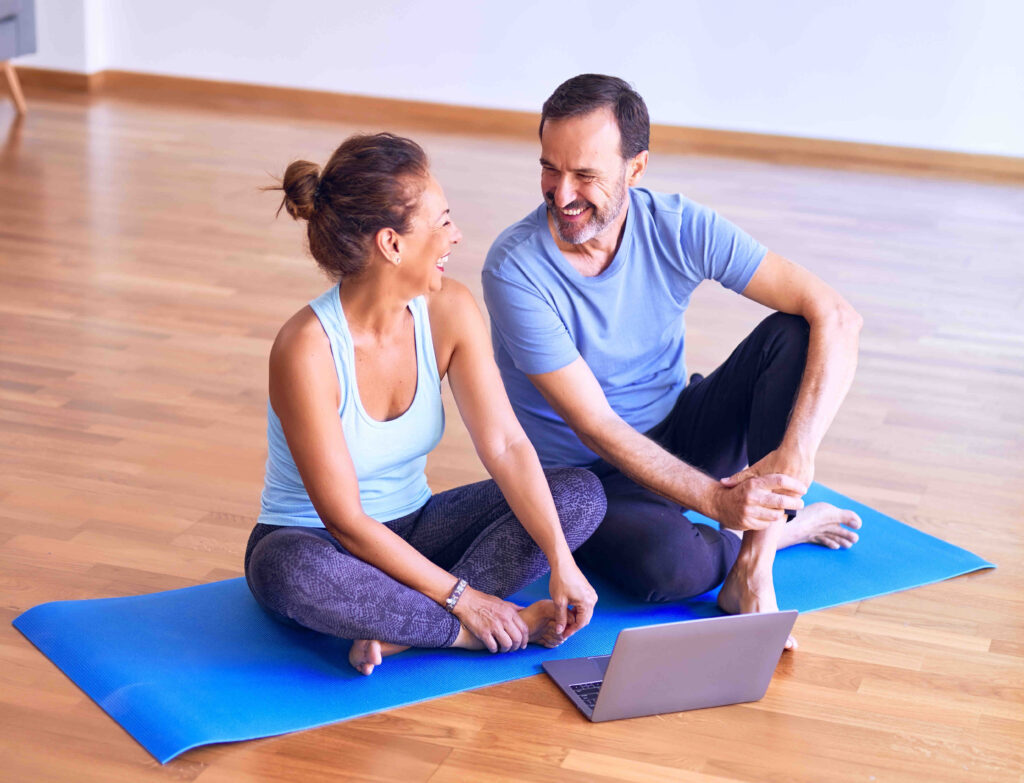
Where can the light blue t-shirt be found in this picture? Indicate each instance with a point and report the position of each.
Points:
(389, 456)
(627, 322)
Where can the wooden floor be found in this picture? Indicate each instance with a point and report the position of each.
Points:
(143, 276)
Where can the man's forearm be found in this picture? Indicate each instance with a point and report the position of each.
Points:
(831, 364)
(652, 467)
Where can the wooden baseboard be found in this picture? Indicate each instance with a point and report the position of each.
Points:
(837, 154)
(63, 81)
(378, 112)
(287, 101)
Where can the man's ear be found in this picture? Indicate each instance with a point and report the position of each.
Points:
(637, 167)
(389, 243)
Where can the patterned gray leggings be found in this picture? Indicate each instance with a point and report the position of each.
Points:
(302, 575)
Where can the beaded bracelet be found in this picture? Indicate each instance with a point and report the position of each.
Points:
(456, 594)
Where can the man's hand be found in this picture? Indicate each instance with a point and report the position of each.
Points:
(755, 502)
(493, 621)
(785, 461)
(568, 586)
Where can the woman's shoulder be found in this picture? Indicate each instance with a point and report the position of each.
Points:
(454, 318)
(451, 301)
(300, 342)
(452, 310)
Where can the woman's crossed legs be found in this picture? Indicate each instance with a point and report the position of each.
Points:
(305, 576)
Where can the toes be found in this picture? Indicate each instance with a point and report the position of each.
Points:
(791, 644)
(364, 655)
(550, 637)
(839, 541)
(361, 665)
(845, 538)
(851, 520)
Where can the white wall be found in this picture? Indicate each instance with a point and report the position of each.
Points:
(60, 37)
(942, 74)
(95, 31)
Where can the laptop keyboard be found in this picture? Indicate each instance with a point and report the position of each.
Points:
(587, 691)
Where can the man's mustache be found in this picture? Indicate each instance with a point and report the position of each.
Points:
(577, 204)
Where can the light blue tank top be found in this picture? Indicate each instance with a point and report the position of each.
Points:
(389, 456)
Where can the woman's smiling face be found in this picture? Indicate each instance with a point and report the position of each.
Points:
(427, 246)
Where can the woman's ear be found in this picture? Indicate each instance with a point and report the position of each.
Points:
(389, 243)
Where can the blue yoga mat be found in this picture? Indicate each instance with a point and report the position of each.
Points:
(204, 664)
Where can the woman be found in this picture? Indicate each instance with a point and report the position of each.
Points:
(350, 540)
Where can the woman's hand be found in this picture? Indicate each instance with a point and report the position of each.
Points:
(568, 586)
(493, 621)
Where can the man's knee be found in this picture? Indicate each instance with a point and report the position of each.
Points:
(680, 570)
(792, 331)
(666, 577)
(580, 501)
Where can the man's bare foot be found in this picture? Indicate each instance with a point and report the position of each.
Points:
(367, 653)
(823, 524)
(748, 591)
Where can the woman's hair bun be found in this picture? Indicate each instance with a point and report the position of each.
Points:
(371, 182)
(300, 182)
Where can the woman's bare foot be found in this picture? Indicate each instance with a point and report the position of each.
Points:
(823, 524)
(540, 621)
(747, 591)
(367, 653)
(539, 618)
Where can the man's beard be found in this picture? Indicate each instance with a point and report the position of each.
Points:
(600, 219)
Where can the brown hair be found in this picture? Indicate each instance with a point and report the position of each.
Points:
(591, 91)
(372, 181)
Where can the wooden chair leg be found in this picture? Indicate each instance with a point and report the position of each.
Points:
(15, 85)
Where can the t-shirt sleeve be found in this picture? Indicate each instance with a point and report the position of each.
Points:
(526, 325)
(718, 249)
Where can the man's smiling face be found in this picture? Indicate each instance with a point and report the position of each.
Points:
(583, 174)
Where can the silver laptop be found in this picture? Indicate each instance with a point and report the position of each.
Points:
(679, 666)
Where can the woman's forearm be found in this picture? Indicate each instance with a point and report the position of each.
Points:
(373, 543)
(517, 472)
(492, 620)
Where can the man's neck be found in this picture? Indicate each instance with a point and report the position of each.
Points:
(592, 257)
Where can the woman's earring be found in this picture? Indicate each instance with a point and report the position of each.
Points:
(398, 259)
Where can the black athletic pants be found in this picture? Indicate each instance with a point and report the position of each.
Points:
(719, 424)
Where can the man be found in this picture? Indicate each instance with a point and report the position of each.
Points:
(587, 296)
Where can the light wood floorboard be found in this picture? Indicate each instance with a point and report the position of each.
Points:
(143, 276)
